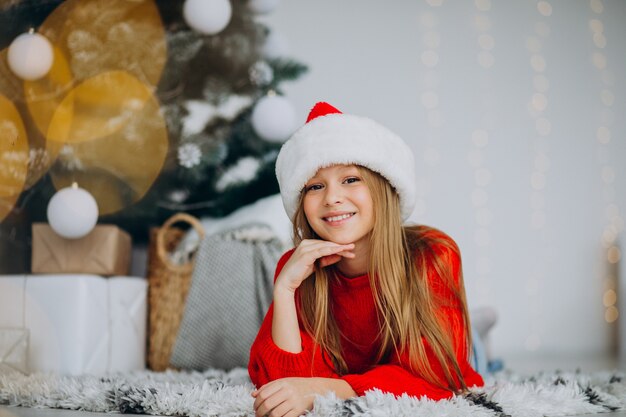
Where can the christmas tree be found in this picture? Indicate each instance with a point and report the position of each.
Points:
(154, 107)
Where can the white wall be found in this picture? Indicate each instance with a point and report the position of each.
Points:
(509, 107)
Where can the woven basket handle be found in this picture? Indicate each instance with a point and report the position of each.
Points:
(160, 243)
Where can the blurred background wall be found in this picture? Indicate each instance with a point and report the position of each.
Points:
(515, 113)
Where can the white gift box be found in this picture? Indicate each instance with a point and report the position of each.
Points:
(13, 350)
(77, 323)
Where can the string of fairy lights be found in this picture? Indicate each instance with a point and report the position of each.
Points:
(539, 144)
(431, 40)
(477, 155)
(540, 149)
(614, 223)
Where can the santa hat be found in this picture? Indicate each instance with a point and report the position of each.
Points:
(330, 137)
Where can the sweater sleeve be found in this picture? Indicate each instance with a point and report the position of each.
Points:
(268, 362)
(396, 377)
(397, 380)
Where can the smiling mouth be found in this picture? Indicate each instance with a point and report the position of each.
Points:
(339, 218)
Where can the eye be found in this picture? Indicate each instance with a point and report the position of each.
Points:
(312, 187)
(351, 180)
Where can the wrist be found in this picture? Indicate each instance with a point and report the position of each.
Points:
(282, 291)
(340, 387)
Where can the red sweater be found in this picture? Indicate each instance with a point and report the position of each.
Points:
(355, 313)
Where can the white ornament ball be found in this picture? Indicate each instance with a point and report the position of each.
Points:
(276, 46)
(207, 16)
(274, 118)
(262, 6)
(30, 56)
(72, 212)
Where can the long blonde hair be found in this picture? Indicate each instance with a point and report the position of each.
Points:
(406, 306)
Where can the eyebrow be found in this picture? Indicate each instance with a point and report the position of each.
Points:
(342, 170)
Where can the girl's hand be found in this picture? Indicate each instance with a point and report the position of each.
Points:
(300, 265)
(290, 397)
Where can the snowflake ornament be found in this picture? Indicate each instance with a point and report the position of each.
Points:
(189, 155)
(261, 73)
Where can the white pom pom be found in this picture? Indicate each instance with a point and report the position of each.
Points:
(30, 56)
(274, 118)
(207, 16)
(72, 212)
(262, 6)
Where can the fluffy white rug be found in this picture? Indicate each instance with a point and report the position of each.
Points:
(218, 393)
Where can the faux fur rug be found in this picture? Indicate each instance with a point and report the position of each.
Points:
(218, 393)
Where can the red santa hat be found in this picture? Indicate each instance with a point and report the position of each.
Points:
(330, 137)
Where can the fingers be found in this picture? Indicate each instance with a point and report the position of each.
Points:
(329, 260)
(333, 259)
(286, 397)
(264, 393)
(347, 254)
(282, 409)
(315, 252)
(316, 243)
(302, 262)
(275, 403)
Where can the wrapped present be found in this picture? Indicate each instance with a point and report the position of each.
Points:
(13, 350)
(106, 250)
(77, 324)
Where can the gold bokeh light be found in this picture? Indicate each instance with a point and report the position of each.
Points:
(118, 169)
(94, 116)
(43, 97)
(105, 35)
(611, 314)
(14, 155)
(98, 107)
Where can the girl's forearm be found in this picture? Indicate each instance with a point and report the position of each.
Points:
(285, 329)
(341, 388)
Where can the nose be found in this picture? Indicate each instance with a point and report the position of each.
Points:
(333, 195)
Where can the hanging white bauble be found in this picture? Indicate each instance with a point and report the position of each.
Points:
(207, 16)
(72, 212)
(30, 56)
(274, 118)
(276, 46)
(262, 6)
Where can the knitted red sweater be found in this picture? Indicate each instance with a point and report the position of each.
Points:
(355, 313)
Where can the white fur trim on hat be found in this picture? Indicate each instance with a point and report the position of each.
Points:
(345, 139)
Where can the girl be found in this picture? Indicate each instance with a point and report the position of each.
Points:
(361, 302)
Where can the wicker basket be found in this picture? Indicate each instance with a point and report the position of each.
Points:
(168, 287)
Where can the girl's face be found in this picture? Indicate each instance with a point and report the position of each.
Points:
(338, 205)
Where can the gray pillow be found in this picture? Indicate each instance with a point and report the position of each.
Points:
(230, 292)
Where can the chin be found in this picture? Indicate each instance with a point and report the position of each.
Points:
(341, 240)
(330, 238)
